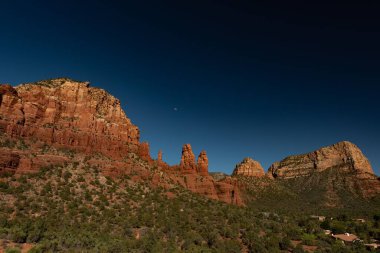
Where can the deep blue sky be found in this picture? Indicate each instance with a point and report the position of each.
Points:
(260, 80)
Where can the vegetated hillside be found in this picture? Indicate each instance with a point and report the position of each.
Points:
(335, 188)
(334, 178)
(341, 170)
(74, 208)
(327, 192)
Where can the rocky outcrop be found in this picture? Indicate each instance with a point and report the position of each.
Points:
(159, 156)
(144, 152)
(202, 164)
(344, 156)
(249, 168)
(228, 191)
(62, 121)
(187, 164)
(218, 176)
(9, 162)
(65, 113)
(160, 162)
(7, 89)
(195, 177)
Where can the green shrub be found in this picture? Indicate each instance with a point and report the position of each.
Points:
(4, 186)
(36, 249)
(13, 250)
(308, 239)
(17, 234)
(285, 243)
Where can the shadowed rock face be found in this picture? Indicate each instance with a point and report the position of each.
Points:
(66, 113)
(7, 89)
(8, 162)
(344, 156)
(249, 168)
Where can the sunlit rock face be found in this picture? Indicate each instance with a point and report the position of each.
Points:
(344, 156)
(249, 168)
(202, 164)
(63, 114)
(187, 163)
(66, 113)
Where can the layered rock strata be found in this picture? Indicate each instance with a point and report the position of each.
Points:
(187, 163)
(202, 164)
(249, 168)
(66, 113)
(344, 156)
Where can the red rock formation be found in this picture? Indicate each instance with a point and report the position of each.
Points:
(344, 156)
(160, 163)
(17, 161)
(65, 113)
(202, 164)
(9, 162)
(143, 152)
(159, 156)
(226, 190)
(351, 169)
(187, 164)
(249, 168)
(7, 89)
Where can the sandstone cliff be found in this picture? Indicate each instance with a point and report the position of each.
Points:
(250, 168)
(344, 156)
(67, 113)
(339, 172)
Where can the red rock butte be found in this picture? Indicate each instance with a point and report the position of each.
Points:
(249, 168)
(66, 113)
(344, 156)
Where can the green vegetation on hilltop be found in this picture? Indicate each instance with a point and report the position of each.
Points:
(53, 82)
